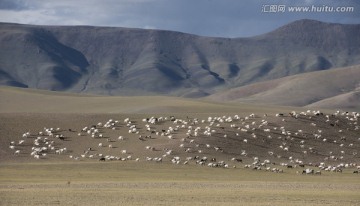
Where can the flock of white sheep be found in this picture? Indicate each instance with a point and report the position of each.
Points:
(311, 139)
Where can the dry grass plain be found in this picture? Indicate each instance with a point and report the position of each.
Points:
(118, 183)
(62, 181)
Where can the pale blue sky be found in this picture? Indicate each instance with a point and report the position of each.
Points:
(220, 18)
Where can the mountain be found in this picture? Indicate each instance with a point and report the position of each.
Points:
(336, 89)
(123, 61)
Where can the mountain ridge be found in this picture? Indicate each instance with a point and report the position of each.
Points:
(122, 61)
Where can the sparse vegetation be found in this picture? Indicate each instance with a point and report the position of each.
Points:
(63, 180)
(129, 183)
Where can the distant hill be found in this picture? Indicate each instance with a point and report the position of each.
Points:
(336, 89)
(123, 61)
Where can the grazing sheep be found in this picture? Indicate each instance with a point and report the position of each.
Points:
(308, 171)
(189, 135)
(318, 172)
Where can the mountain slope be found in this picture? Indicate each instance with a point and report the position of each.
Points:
(121, 61)
(350, 100)
(336, 88)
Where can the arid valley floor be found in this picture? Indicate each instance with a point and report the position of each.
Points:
(173, 151)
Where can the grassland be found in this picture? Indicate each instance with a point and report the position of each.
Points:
(164, 184)
(58, 180)
(16, 100)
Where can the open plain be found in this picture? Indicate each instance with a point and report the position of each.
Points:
(167, 150)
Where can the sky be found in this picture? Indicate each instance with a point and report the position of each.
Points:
(216, 18)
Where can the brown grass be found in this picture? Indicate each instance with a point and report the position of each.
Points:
(163, 184)
(59, 180)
